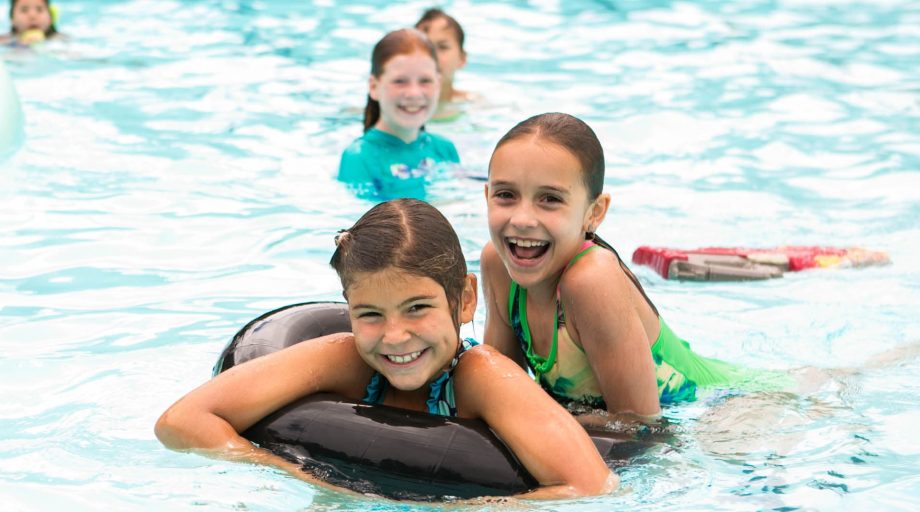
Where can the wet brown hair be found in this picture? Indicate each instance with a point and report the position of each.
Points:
(407, 235)
(399, 42)
(431, 15)
(571, 134)
(51, 28)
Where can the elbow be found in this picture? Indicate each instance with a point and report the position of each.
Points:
(171, 430)
(166, 431)
(186, 428)
(602, 484)
(610, 483)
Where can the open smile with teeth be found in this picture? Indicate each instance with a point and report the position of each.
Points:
(413, 109)
(527, 249)
(404, 358)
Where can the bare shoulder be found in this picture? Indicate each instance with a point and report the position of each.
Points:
(485, 361)
(490, 262)
(597, 272)
(597, 297)
(484, 375)
(481, 355)
(495, 281)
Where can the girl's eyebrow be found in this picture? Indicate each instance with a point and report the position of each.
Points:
(417, 298)
(544, 188)
(401, 304)
(558, 190)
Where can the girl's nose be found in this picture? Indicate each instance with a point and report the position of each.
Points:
(523, 217)
(415, 89)
(395, 332)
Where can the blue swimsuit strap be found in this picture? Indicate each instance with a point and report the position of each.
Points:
(440, 392)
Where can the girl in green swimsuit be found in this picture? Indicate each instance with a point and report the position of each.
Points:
(576, 316)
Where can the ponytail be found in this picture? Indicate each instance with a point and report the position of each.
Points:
(371, 113)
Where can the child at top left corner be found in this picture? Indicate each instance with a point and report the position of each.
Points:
(31, 22)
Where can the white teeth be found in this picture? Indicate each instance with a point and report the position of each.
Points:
(527, 243)
(404, 358)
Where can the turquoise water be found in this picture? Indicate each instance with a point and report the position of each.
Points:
(176, 181)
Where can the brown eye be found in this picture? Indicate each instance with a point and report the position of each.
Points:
(417, 308)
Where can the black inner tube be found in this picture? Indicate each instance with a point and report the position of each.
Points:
(382, 450)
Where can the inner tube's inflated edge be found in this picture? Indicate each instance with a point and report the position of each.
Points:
(378, 449)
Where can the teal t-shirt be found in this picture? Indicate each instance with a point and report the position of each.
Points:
(382, 166)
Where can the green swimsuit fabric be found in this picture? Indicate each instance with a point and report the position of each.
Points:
(679, 371)
(707, 372)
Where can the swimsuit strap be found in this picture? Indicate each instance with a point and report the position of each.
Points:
(538, 364)
(517, 313)
(632, 277)
(517, 310)
(585, 249)
(375, 390)
(441, 399)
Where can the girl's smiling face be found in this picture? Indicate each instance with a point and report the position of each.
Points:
(538, 209)
(407, 91)
(404, 327)
(31, 14)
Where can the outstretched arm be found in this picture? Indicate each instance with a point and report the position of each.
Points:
(211, 416)
(535, 428)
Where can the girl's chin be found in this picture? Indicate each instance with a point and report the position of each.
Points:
(407, 383)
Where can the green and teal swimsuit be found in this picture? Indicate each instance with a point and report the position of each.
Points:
(566, 372)
(381, 166)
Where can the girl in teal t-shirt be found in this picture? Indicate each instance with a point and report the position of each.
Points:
(396, 157)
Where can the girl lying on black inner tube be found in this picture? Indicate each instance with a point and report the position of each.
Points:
(408, 291)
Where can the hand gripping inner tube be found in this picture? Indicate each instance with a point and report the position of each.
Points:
(377, 449)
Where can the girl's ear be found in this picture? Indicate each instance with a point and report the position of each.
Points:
(372, 84)
(468, 299)
(597, 212)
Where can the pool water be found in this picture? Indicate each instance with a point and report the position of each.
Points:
(176, 180)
